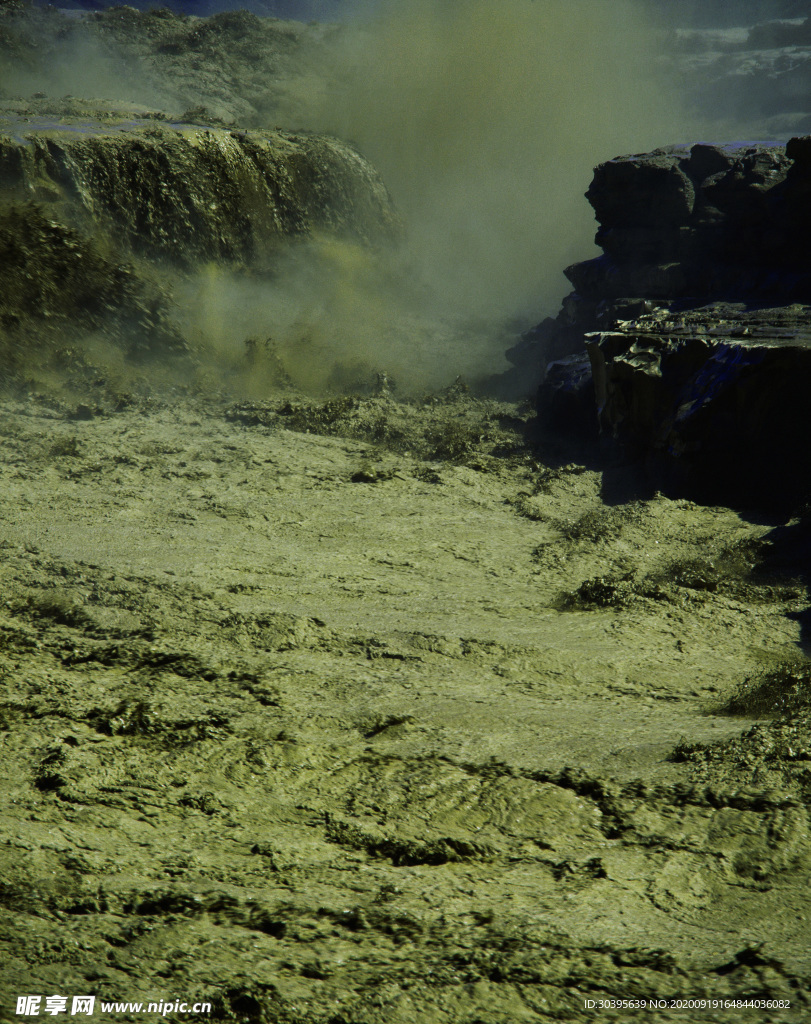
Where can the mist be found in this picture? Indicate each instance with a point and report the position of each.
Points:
(485, 120)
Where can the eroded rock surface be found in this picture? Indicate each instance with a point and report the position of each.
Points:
(701, 222)
(696, 318)
(687, 225)
(713, 400)
(234, 66)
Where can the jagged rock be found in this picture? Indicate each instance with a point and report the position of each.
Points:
(604, 278)
(652, 191)
(714, 400)
(687, 225)
(694, 224)
(237, 66)
(58, 285)
(567, 396)
(696, 320)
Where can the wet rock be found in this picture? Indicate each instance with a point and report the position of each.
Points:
(695, 319)
(567, 396)
(684, 226)
(694, 224)
(712, 401)
(102, 220)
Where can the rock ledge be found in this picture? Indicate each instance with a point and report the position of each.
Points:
(696, 320)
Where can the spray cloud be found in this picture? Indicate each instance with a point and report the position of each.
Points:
(485, 119)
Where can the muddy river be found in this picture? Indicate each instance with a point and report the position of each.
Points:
(368, 711)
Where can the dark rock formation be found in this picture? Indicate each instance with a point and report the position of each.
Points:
(696, 319)
(684, 226)
(699, 223)
(714, 400)
(568, 396)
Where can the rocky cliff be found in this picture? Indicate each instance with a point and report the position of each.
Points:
(700, 223)
(714, 399)
(695, 319)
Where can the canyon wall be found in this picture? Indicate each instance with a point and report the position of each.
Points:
(695, 320)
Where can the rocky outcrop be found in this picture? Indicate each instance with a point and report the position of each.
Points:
(696, 319)
(687, 225)
(700, 223)
(683, 226)
(714, 401)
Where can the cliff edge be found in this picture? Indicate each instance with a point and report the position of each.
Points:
(696, 320)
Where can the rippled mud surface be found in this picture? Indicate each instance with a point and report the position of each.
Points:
(364, 712)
